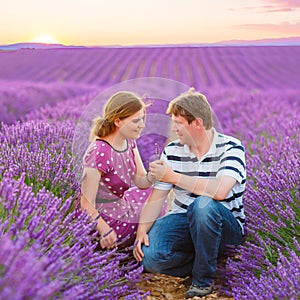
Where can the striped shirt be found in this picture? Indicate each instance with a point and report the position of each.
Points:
(226, 156)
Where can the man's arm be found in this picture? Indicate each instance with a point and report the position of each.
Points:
(149, 214)
(216, 188)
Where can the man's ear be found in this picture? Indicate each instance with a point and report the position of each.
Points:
(198, 122)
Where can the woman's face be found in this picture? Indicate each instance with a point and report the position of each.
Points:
(132, 126)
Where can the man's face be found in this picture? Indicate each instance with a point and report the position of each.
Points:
(184, 131)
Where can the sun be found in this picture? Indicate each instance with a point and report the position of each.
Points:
(44, 39)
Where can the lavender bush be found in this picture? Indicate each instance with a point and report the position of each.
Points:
(18, 98)
(272, 196)
(44, 247)
(41, 238)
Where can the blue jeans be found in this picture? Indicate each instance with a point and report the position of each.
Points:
(189, 243)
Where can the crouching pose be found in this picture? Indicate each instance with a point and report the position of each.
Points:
(206, 171)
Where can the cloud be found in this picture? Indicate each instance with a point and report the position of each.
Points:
(284, 27)
(280, 5)
(283, 3)
(272, 6)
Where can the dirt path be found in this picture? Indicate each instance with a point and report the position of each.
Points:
(171, 288)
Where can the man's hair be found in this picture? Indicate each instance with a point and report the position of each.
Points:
(192, 105)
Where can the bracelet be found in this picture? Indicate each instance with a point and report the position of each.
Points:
(98, 216)
(147, 178)
(107, 233)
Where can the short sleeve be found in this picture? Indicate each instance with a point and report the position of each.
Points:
(163, 185)
(233, 164)
(98, 156)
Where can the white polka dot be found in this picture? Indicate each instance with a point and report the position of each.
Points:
(93, 164)
(114, 209)
(107, 179)
(117, 227)
(132, 226)
(118, 204)
(102, 154)
(134, 232)
(114, 192)
(119, 217)
(141, 198)
(137, 191)
(103, 145)
(144, 194)
(124, 224)
(99, 165)
(115, 172)
(119, 236)
(108, 162)
(110, 215)
(97, 152)
(121, 188)
(109, 187)
(108, 222)
(119, 166)
(105, 210)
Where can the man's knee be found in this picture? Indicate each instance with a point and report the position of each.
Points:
(154, 260)
(203, 205)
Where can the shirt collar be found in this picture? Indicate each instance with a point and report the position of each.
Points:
(212, 148)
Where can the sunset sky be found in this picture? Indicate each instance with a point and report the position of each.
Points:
(133, 22)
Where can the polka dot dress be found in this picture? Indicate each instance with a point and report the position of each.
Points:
(118, 201)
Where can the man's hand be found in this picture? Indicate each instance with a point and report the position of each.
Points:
(161, 170)
(137, 251)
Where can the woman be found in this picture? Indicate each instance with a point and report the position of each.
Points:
(111, 163)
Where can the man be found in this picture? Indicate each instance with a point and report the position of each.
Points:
(206, 170)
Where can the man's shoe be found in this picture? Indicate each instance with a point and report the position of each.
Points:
(198, 291)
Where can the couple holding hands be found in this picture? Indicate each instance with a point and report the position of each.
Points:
(205, 171)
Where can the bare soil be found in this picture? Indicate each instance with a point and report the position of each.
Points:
(172, 288)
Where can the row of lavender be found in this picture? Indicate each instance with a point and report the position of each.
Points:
(249, 67)
(38, 189)
(31, 77)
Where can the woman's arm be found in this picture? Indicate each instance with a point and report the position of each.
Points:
(141, 178)
(89, 189)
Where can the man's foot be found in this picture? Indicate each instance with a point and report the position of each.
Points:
(198, 291)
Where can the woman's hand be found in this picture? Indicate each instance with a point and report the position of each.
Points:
(108, 239)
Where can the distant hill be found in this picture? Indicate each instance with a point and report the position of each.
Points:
(35, 46)
(290, 41)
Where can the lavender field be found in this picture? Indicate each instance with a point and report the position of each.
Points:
(45, 250)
